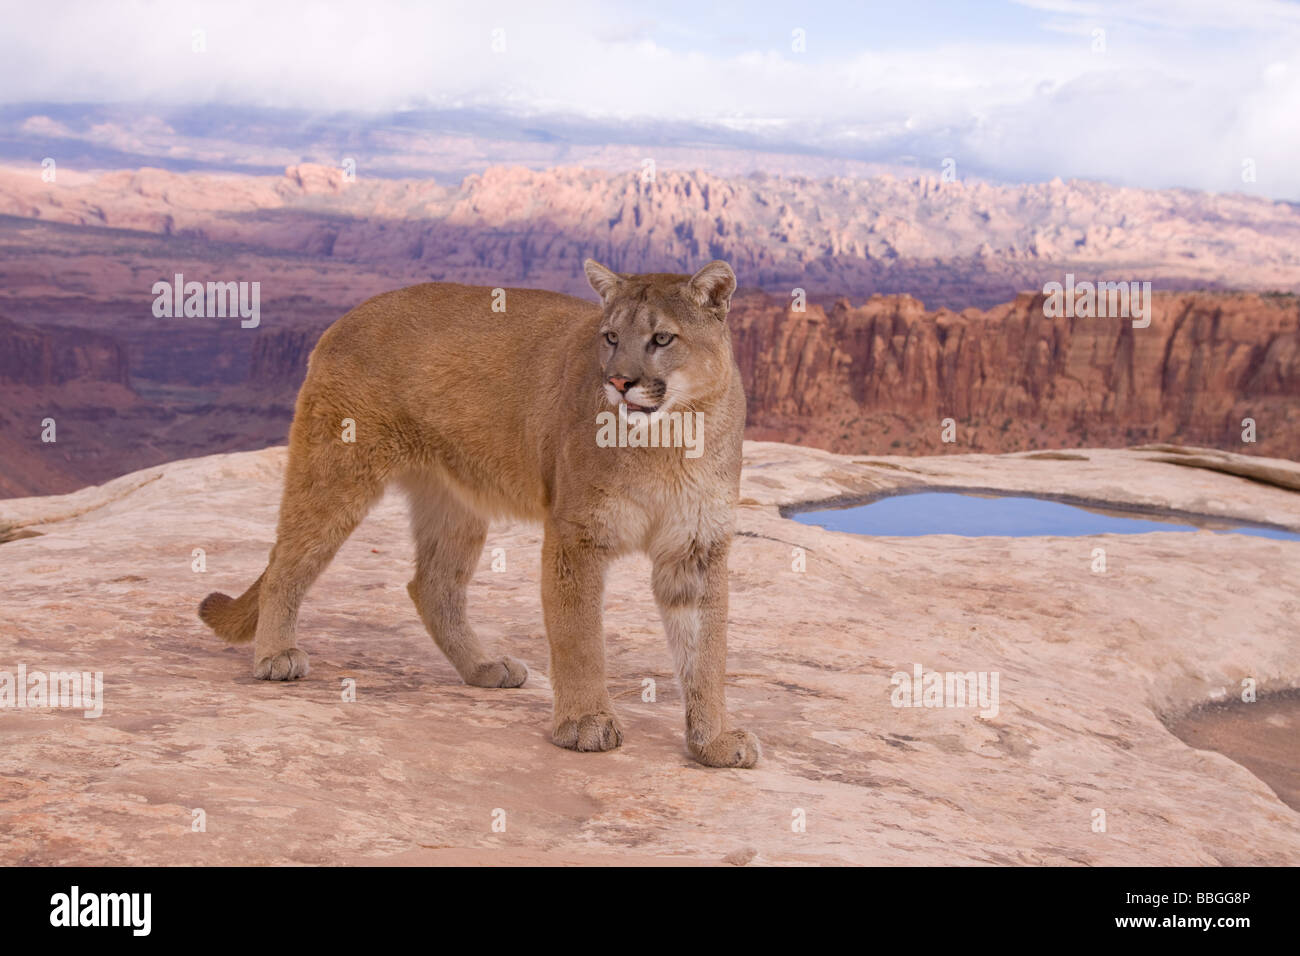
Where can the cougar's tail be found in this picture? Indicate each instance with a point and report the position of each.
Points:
(234, 619)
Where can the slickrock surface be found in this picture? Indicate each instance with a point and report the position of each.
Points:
(1091, 667)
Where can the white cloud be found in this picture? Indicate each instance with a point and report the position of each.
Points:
(1183, 92)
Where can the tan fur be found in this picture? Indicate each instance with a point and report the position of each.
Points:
(479, 414)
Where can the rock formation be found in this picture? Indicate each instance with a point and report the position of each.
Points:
(55, 355)
(857, 371)
(883, 375)
(950, 244)
(414, 769)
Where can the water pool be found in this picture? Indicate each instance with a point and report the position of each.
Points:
(983, 515)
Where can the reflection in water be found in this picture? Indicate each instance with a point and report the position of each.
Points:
(970, 515)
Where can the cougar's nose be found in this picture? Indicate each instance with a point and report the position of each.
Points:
(622, 384)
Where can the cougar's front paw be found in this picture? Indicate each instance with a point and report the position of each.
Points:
(287, 665)
(735, 748)
(505, 672)
(589, 732)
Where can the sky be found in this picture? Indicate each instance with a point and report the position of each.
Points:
(1156, 94)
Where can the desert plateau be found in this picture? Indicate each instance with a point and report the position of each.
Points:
(1094, 668)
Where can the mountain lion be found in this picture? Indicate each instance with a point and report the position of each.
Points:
(484, 403)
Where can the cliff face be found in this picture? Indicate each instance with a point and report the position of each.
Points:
(874, 378)
(883, 375)
(956, 244)
(79, 380)
(862, 374)
(279, 358)
(55, 355)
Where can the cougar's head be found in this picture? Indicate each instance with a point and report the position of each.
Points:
(663, 339)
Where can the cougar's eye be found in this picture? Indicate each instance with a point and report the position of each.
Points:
(663, 338)
(611, 338)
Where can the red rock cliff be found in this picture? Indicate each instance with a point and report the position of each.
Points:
(881, 376)
(54, 355)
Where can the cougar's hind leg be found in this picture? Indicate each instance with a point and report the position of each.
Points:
(327, 491)
(448, 543)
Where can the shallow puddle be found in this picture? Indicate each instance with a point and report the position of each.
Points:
(1264, 737)
(978, 515)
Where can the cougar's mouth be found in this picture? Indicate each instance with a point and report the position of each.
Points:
(647, 396)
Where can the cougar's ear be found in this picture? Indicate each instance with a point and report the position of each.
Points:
(604, 281)
(712, 286)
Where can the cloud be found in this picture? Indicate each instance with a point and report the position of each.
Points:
(1181, 93)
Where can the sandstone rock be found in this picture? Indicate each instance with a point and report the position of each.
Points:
(881, 376)
(874, 377)
(56, 354)
(878, 377)
(951, 245)
(417, 768)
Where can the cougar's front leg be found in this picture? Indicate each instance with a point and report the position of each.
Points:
(691, 590)
(573, 591)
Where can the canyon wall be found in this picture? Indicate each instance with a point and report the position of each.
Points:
(76, 379)
(56, 354)
(875, 377)
(954, 244)
(865, 369)
(880, 376)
